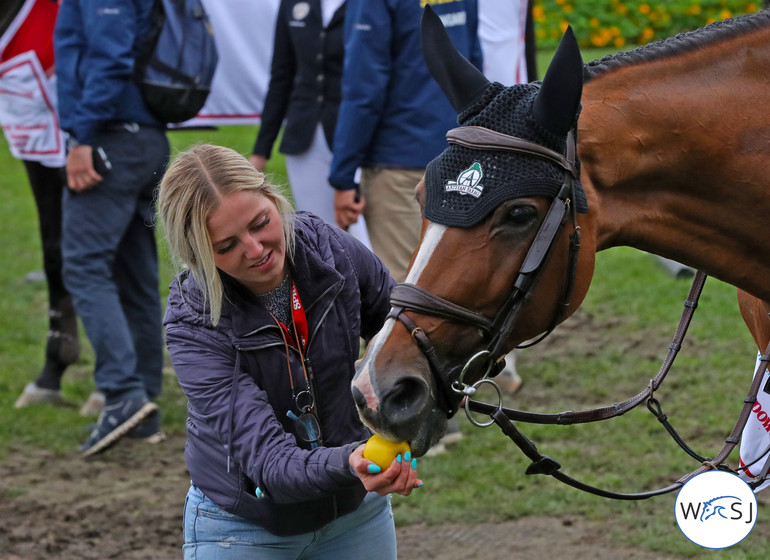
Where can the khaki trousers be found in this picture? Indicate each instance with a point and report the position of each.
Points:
(392, 215)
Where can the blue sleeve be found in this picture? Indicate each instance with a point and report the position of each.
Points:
(365, 78)
(107, 62)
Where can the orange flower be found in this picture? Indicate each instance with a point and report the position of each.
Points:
(619, 42)
(621, 9)
(647, 34)
(644, 8)
(597, 40)
(594, 22)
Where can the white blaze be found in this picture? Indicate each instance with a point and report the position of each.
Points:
(363, 379)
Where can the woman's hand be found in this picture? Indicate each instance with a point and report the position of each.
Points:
(400, 477)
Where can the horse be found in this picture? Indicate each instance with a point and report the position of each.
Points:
(662, 148)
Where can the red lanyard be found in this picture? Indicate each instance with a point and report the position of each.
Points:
(299, 319)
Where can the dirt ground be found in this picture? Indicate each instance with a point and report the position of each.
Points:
(127, 504)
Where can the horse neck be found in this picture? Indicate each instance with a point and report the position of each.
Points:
(674, 156)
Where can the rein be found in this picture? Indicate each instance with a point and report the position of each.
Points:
(542, 464)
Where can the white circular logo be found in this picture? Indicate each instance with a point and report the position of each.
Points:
(716, 509)
(301, 10)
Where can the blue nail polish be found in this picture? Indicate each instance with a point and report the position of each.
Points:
(398, 458)
(373, 469)
(407, 456)
(421, 485)
(258, 492)
(414, 463)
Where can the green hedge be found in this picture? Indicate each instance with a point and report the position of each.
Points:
(627, 24)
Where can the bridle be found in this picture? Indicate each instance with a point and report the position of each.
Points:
(410, 297)
(451, 384)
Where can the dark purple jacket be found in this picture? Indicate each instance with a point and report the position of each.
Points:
(238, 390)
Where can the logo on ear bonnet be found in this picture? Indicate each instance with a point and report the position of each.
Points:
(467, 182)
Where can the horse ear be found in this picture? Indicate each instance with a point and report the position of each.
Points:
(557, 102)
(460, 80)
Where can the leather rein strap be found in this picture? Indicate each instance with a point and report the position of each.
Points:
(542, 464)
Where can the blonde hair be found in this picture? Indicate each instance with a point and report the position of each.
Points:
(191, 189)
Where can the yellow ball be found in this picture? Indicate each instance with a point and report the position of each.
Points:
(381, 452)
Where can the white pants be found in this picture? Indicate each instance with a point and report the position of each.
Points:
(309, 180)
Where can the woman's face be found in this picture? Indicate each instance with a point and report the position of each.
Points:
(246, 233)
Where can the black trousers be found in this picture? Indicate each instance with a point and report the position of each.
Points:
(47, 186)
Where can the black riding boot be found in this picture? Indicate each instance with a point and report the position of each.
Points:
(63, 346)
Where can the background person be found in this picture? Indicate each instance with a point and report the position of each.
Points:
(108, 243)
(393, 118)
(305, 90)
(31, 126)
(263, 330)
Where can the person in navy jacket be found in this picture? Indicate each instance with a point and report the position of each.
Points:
(118, 152)
(263, 328)
(304, 91)
(393, 117)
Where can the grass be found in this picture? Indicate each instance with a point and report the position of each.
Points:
(609, 352)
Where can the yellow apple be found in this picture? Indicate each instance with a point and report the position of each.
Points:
(381, 452)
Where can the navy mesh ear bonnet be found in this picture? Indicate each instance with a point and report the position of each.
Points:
(464, 185)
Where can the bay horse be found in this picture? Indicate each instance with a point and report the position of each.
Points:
(664, 148)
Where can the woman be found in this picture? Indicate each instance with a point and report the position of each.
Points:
(304, 90)
(263, 331)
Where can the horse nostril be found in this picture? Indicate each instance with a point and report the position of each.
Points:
(406, 399)
(358, 398)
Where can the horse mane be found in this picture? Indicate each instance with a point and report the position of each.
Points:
(678, 44)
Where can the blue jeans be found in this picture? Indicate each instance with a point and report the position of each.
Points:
(210, 533)
(110, 263)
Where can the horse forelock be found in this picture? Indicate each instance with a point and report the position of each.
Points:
(678, 44)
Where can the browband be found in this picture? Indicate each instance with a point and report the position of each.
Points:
(481, 138)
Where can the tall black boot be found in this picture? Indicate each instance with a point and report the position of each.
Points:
(62, 350)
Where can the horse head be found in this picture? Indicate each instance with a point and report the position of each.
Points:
(498, 260)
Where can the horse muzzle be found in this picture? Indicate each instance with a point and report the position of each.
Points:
(399, 407)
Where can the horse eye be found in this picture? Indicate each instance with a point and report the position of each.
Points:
(521, 215)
